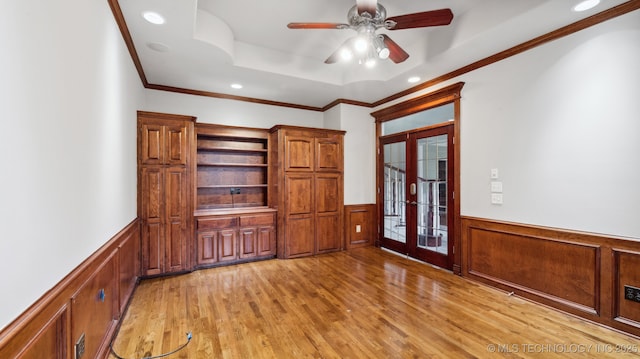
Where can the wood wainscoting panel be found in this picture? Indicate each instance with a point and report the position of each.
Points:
(627, 270)
(93, 309)
(48, 328)
(580, 273)
(559, 271)
(360, 217)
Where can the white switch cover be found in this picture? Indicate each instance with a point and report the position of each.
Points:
(494, 173)
(496, 187)
(496, 198)
(358, 228)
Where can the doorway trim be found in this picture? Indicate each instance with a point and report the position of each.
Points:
(449, 94)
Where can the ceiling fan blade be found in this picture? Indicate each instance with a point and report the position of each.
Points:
(368, 6)
(337, 54)
(396, 53)
(422, 19)
(317, 25)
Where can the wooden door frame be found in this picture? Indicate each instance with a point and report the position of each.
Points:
(449, 94)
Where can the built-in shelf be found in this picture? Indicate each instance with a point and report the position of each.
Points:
(231, 158)
(232, 149)
(233, 164)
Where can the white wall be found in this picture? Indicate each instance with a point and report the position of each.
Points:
(561, 123)
(230, 112)
(68, 94)
(359, 151)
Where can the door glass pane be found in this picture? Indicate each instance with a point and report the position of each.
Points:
(425, 118)
(432, 193)
(395, 221)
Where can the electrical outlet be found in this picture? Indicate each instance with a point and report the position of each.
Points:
(632, 293)
(235, 191)
(358, 228)
(80, 347)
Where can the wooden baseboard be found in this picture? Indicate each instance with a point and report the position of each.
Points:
(580, 273)
(90, 300)
(360, 225)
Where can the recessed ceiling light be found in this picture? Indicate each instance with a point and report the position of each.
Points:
(413, 79)
(156, 46)
(586, 5)
(153, 17)
(236, 86)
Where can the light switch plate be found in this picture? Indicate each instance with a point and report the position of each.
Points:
(496, 198)
(494, 173)
(496, 187)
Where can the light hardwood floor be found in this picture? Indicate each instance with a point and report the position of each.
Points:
(363, 303)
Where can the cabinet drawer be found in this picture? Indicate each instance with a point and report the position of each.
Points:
(217, 223)
(257, 220)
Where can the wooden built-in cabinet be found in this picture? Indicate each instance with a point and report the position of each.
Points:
(164, 191)
(306, 187)
(233, 221)
(232, 237)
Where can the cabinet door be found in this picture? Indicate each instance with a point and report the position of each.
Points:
(207, 247)
(329, 156)
(151, 144)
(163, 144)
(298, 194)
(151, 198)
(329, 209)
(298, 153)
(175, 145)
(248, 242)
(227, 250)
(300, 236)
(176, 219)
(266, 241)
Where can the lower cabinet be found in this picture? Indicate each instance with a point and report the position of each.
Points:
(233, 237)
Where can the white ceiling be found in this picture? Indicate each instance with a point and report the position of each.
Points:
(211, 44)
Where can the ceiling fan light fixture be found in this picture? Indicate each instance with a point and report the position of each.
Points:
(381, 49)
(361, 44)
(346, 54)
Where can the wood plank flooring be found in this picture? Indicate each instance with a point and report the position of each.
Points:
(363, 303)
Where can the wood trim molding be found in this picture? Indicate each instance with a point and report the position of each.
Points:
(46, 328)
(598, 18)
(583, 274)
(421, 103)
(231, 97)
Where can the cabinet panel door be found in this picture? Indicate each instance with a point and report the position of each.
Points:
(328, 192)
(151, 197)
(227, 245)
(329, 155)
(299, 194)
(207, 248)
(300, 236)
(151, 144)
(298, 153)
(152, 248)
(266, 241)
(329, 232)
(176, 145)
(176, 219)
(248, 242)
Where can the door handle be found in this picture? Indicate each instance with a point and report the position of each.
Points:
(414, 203)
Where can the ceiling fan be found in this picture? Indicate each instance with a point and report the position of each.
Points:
(366, 17)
